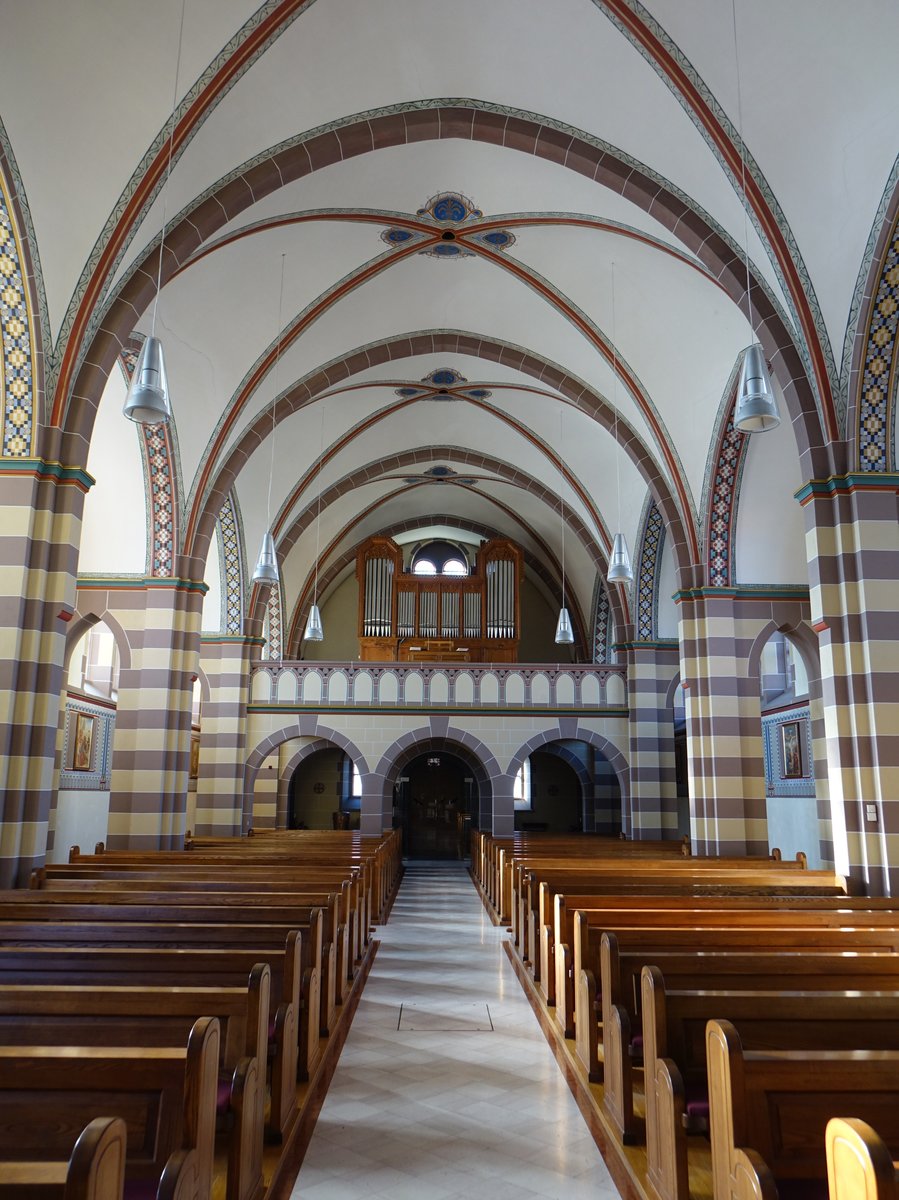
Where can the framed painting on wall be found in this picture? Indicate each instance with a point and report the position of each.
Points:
(791, 749)
(194, 758)
(83, 745)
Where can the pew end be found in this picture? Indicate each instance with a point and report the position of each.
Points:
(95, 1170)
(859, 1163)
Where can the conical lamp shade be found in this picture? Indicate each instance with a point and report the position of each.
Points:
(266, 564)
(564, 632)
(756, 407)
(620, 570)
(147, 401)
(314, 631)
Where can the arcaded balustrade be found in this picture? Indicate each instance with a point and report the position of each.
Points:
(424, 686)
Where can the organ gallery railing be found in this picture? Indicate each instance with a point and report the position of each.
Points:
(408, 618)
(518, 686)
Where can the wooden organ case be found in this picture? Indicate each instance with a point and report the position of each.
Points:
(439, 618)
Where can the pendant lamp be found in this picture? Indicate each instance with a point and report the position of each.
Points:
(266, 571)
(314, 630)
(756, 407)
(620, 569)
(147, 401)
(564, 631)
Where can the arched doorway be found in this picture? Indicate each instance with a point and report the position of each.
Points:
(324, 792)
(434, 799)
(550, 791)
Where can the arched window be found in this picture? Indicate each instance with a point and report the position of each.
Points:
(423, 566)
(454, 566)
(521, 789)
(439, 558)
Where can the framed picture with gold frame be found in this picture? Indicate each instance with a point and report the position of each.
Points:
(791, 750)
(83, 742)
(194, 758)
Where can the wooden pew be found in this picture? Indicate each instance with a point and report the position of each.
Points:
(618, 1015)
(119, 1016)
(95, 1170)
(295, 991)
(769, 1111)
(179, 925)
(674, 1051)
(860, 1165)
(166, 1096)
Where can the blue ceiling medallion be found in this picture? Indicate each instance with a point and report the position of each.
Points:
(496, 239)
(444, 377)
(408, 391)
(449, 208)
(441, 472)
(479, 393)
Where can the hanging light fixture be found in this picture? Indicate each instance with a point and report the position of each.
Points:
(314, 631)
(266, 571)
(756, 407)
(564, 631)
(147, 401)
(620, 570)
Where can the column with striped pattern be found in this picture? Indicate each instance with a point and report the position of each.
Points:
(728, 811)
(652, 666)
(42, 504)
(151, 758)
(225, 660)
(852, 541)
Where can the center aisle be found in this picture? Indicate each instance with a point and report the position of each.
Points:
(446, 1087)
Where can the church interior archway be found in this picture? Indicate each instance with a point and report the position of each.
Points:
(324, 792)
(435, 797)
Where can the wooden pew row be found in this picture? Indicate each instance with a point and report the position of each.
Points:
(769, 1111)
(653, 873)
(735, 889)
(584, 928)
(273, 854)
(860, 1165)
(152, 966)
(94, 1171)
(674, 1052)
(261, 886)
(180, 925)
(352, 905)
(527, 874)
(561, 944)
(166, 1097)
(486, 848)
(153, 1016)
(621, 988)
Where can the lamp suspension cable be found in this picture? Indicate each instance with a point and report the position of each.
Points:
(147, 401)
(564, 630)
(756, 407)
(266, 571)
(314, 629)
(620, 570)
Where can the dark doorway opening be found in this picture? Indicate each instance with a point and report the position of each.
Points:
(324, 792)
(434, 800)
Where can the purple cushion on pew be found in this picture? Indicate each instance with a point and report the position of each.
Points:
(637, 1042)
(140, 1189)
(271, 1029)
(223, 1098)
(697, 1108)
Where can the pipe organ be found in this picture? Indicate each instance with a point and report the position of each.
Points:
(437, 618)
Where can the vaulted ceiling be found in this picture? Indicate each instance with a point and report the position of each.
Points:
(512, 238)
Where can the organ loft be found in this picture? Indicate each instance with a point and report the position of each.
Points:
(436, 606)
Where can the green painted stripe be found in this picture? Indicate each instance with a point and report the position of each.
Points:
(661, 644)
(763, 592)
(140, 583)
(228, 639)
(841, 484)
(42, 469)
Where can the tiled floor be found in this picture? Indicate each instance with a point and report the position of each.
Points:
(446, 1087)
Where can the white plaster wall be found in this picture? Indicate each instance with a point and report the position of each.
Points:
(793, 826)
(81, 818)
(114, 535)
(212, 601)
(770, 536)
(668, 614)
